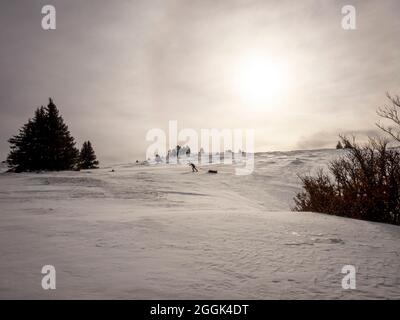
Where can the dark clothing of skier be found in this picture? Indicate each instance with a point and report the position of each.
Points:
(194, 169)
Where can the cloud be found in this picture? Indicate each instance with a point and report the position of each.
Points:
(118, 69)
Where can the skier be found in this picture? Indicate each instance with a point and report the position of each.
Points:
(194, 169)
(178, 148)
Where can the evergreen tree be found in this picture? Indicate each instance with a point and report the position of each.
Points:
(87, 157)
(339, 145)
(62, 153)
(43, 143)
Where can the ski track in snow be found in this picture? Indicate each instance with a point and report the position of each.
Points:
(161, 232)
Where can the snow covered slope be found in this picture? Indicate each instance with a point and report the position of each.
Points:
(162, 232)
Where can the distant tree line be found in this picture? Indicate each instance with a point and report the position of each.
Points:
(45, 143)
(364, 183)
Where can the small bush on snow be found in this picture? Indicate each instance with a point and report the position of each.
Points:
(363, 184)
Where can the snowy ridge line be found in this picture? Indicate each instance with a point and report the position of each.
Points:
(163, 232)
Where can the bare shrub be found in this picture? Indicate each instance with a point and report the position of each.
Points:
(364, 184)
(391, 112)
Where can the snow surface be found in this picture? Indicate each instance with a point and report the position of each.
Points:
(163, 232)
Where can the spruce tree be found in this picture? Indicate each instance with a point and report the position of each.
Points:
(62, 152)
(339, 145)
(43, 143)
(18, 158)
(87, 157)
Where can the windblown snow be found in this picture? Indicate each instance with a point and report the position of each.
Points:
(163, 232)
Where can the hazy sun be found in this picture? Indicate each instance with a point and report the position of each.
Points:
(260, 80)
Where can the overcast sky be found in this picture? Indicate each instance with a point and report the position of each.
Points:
(117, 69)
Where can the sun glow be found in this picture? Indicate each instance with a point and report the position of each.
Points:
(260, 80)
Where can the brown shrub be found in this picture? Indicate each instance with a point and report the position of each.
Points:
(363, 184)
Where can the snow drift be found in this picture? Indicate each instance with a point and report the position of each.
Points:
(163, 232)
